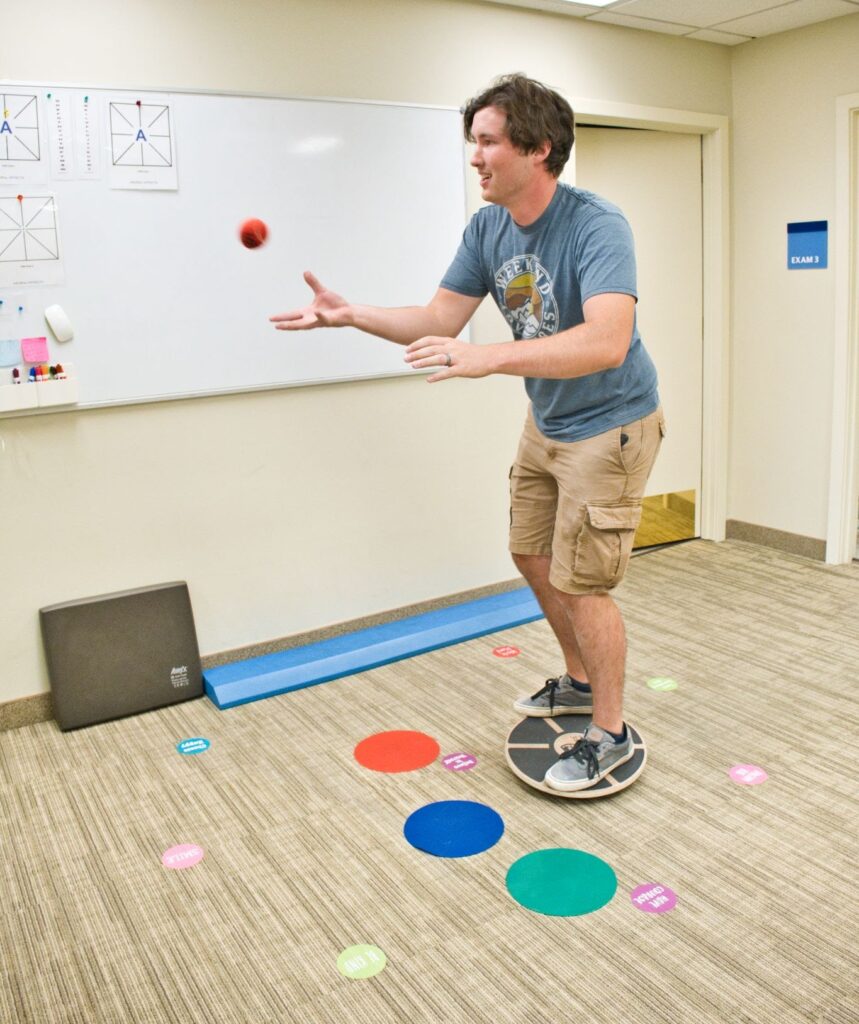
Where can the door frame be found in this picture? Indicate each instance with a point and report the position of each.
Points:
(715, 171)
(843, 475)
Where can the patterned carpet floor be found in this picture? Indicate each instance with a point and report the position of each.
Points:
(305, 853)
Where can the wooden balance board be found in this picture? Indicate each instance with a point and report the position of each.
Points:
(535, 744)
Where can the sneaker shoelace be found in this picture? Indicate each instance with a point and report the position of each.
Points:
(584, 751)
(550, 687)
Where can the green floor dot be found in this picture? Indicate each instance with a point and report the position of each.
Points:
(361, 961)
(561, 882)
(662, 683)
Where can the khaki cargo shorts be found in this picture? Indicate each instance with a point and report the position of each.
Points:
(580, 501)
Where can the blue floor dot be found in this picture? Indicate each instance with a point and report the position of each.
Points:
(454, 828)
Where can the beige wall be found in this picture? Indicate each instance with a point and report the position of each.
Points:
(785, 88)
(291, 510)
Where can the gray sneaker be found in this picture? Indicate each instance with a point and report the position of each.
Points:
(590, 760)
(558, 697)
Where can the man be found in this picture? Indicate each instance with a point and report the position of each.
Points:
(560, 264)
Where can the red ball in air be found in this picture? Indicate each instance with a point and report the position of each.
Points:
(253, 233)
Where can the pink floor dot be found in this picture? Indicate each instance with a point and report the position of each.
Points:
(459, 762)
(748, 774)
(186, 855)
(653, 898)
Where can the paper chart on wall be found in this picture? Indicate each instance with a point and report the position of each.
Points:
(73, 135)
(142, 149)
(30, 240)
(23, 159)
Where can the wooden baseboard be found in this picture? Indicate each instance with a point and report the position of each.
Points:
(793, 543)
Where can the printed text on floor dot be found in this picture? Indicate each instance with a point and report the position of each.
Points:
(185, 855)
(653, 898)
(194, 745)
(459, 762)
(361, 961)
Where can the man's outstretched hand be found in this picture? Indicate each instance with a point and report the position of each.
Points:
(326, 310)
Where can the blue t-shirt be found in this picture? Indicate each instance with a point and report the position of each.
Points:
(540, 276)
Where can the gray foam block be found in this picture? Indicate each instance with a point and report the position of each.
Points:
(120, 654)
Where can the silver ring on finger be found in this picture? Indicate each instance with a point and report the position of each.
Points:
(448, 360)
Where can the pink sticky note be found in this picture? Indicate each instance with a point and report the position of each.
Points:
(34, 350)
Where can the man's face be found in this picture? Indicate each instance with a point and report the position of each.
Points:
(504, 171)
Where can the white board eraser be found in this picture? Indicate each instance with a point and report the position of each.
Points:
(59, 323)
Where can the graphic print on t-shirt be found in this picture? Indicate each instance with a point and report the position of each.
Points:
(526, 297)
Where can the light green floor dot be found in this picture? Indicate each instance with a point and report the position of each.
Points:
(361, 961)
(561, 882)
(662, 683)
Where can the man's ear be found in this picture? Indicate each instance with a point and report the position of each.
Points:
(542, 151)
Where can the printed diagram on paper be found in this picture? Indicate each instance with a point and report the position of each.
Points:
(142, 144)
(29, 240)
(19, 131)
(21, 156)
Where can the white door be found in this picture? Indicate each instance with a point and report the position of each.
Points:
(655, 178)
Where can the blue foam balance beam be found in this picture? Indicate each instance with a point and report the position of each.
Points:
(243, 681)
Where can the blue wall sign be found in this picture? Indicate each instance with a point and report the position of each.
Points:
(806, 245)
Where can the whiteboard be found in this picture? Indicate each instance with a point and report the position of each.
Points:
(164, 300)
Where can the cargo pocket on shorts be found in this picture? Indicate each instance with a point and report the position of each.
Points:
(605, 544)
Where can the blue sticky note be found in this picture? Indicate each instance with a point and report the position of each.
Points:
(807, 245)
(10, 352)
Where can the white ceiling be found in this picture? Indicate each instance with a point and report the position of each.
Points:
(715, 21)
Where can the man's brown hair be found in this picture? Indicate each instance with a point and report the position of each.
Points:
(535, 114)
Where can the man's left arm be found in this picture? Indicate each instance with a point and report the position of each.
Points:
(600, 343)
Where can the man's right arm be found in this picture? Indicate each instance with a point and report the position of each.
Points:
(444, 315)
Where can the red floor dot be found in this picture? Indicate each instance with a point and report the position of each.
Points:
(397, 751)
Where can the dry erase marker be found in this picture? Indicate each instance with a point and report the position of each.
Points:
(16, 376)
(61, 373)
(32, 374)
